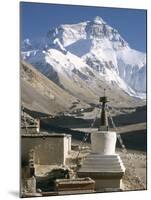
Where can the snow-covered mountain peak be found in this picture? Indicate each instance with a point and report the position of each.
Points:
(26, 44)
(96, 29)
(99, 20)
(91, 45)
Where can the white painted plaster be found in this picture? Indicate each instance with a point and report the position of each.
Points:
(103, 142)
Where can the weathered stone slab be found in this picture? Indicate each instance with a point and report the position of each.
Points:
(77, 185)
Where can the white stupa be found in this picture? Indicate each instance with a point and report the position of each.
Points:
(103, 165)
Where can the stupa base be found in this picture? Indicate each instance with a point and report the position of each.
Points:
(106, 170)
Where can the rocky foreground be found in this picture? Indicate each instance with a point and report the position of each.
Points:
(135, 177)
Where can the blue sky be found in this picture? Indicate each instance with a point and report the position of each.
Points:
(36, 19)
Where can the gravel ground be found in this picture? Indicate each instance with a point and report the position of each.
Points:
(136, 171)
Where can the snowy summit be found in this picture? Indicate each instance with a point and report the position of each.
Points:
(99, 20)
(74, 51)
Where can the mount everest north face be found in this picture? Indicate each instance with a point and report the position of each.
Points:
(86, 57)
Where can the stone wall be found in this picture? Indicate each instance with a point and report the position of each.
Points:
(49, 150)
(67, 147)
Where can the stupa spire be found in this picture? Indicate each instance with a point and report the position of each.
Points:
(104, 118)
